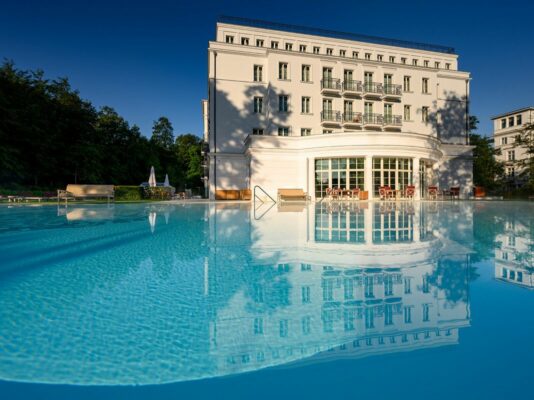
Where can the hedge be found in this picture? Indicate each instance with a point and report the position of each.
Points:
(128, 193)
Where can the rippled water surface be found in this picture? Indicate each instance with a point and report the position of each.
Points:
(371, 300)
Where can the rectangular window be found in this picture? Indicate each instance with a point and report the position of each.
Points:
(328, 131)
(329, 51)
(503, 123)
(388, 112)
(504, 140)
(414, 62)
(367, 56)
(274, 44)
(426, 63)
(344, 173)
(392, 59)
(306, 73)
(436, 64)
(406, 86)
(258, 73)
(284, 327)
(305, 132)
(397, 173)
(511, 155)
(342, 53)
(518, 120)
(407, 285)
(244, 41)
(283, 131)
(354, 54)
(302, 48)
(283, 105)
(425, 85)
(305, 105)
(259, 42)
(368, 108)
(424, 114)
(257, 131)
(258, 326)
(258, 105)
(316, 49)
(407, 315)
(447, 66)
(283, 71)
(229, 39)
(306, 325)
(426, 312)
(289, 46)
(403, 60)
(379, 57)
(407, 116)
(306, 298)
(510, 121)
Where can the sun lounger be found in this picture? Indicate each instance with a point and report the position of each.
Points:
(292, 195)
(86, 192)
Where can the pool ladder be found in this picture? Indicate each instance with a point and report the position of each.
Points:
(262, 202)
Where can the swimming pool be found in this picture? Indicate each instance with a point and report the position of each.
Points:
(370, 300)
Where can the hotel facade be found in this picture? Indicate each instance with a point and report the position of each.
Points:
(505, 129)
(293, 107)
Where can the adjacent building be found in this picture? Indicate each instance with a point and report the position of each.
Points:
(505, 129)
(294, 107)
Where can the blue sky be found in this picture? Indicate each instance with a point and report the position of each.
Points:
(148, 59)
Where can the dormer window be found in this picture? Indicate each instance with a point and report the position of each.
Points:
(274, 44)
(342, 53)
(229, 39)
(329, 52)
(379, 57)
(426, 63)
(244, 41)
(302, 48)
(436, 64)
(259, 42)
(354, 54)
(289, 46)
(391, 59)
(403, 60)
(367, 56)
(414, 62)
(316, 50)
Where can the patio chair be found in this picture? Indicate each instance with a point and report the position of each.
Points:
(385, 192)
(355, 193)
(409, 192)
(433, 192)
(454, 192)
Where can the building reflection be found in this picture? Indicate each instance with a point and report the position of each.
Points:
(343, 280)
(514, 252)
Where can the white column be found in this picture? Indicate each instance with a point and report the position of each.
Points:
(368, 176)
(416, 181)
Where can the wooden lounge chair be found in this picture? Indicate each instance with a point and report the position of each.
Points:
(454, 192)
(292, 195)
(86, 192)
(355, 194)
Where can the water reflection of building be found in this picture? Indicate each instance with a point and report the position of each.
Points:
(342, 279)
(514, 259)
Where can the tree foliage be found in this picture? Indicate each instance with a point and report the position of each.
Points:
(525, 139)
(50, 136)
(487, 171)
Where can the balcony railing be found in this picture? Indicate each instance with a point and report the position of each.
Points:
(392, 120)
(352, 86)
(392, 90)
(330, 116)
(373, 88)
(351, 117)
(331, 84)
(373, 119)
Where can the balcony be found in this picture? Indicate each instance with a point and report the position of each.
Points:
(353, 88)
(330, 85)
(373, 120)
(371, 89)
(353, 119)
(392, 121)
(329, 117)
(393, 92)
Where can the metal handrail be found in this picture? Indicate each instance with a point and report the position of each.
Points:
(263, 190)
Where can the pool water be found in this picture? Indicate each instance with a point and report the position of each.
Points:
(193, 301)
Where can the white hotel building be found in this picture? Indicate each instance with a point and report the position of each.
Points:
(294, 107)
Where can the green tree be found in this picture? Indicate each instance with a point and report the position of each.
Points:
(525, 139)
(487, 171)
(187, 151)
(162, 133)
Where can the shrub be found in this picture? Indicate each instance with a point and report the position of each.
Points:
(128, 193)
(158, 193)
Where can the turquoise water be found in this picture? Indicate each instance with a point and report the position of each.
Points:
(383, 300)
